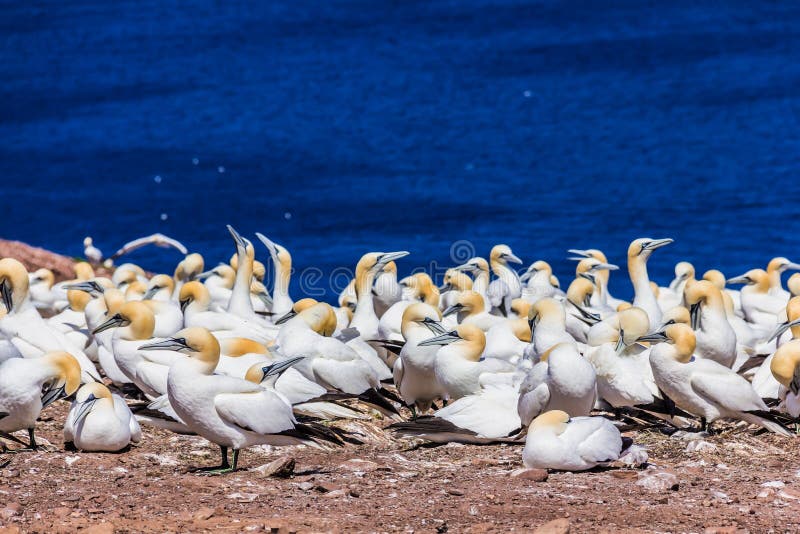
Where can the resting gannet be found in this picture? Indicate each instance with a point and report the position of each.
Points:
(469, 310)
(703, 387)
(775, 268)
(548, 323)
(454, 283)
(538, 282)
(764, 381)
(580, 314)
(716, 339)
(509, 339)
(794, 284)
(195, 300)
(364, 318)
(758, 305)
(41, 291)
(785, 367)
(478, 268)
(282, 264)
(557, 441)
(27, 385)
(672, 296)
(100, 421)
(601, 298)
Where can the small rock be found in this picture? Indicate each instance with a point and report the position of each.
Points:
(100, 528)
(61, 511)
(359, 465)
(721, 530)
(243, 497)
(624, 475)
(658, 481)
(456, 492)
(281, 468)
(204, 513)
(10, 510)
(720, 496)
(306, 486)
(336, 493)
(354, 493)
(773, 484)
(765, 493)
(535, 475)
(700, 445)
(9, 530)
(324, 487)
(69, 460)
(789, 494)
(556, 526)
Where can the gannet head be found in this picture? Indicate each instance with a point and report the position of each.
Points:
(135, 290)
(134, 319)
(194, 292)
(66, 370)
(502, 254)
(78, 299)
(555, 421)
(234, 347)
(644, 246)
(121, 273)
(428, 292)
(225, 275)
(196, 342)
(278, 253)
(715, 277)
(535, 267)
(43, 276)
(421, 314)
(370, 264)
(243, 245)
(781, 265)
(468, 338)
(456, 280)
(520, 329)
(546, 309)
(792, 320)
(633, 324)
(679, 335)
(757, 278)
(520, 307)
(469, 302)
(592, 265)
(160, 282)
(683, 271)
(580, 292)
(474, 266)
(269, 372)
(785, 365)
(676, 315)
(14, 283)
(114, 299)
(589, 253)
(189, 267)
(87, 242)
(702, 293)
(320, 317)
(124, 278)
(297, 307)
(87, 396)
(794, 284)
(622, 306)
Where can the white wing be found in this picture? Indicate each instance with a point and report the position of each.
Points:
(155, 239)
(727, 390)
(599, 440)
(263, 412)
(491, 413)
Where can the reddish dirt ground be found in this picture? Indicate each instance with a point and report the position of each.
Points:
(732, 482)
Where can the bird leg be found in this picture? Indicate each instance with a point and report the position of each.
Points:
(413, 409)
(32, 445)
(224, 467)
(704, 426)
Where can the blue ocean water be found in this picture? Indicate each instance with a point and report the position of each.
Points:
(341, 127)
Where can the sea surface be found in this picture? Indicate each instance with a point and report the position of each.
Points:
(437, 127)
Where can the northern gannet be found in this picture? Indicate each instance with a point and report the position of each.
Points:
(454, 282)
(231, 412)
(775, 268)
(557, 441)
(29, 384)
(602, 297)
(91, 252)
(100, 421)
(701, 387)
(41, 291)
(479, 269)
(159, 240)
(364, 318)
(639, 252)
(758, 305)
(562, 380)
(548, 322)
(764, 381)
(507, 285)
(282, 265)
(716, 339)
(785, 367)
(158, 297)
(469, 310)
(538, 282)
(672, 296)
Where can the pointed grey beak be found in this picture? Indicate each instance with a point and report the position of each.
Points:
(783, 327)
(112, 322)
(793, 266)
(587, 317)
(605, 267)
(240, 241)
(743, 279)
(442, 339)
(578, 252)
(658, 243)
(174, 344)
(386, 257)
(511, 258)
(52, 395)
(433, 325)
(5, 292)
(269, 244)
(452, 309)
(150, 293)
(277, 368)
(265, 298)
(466, 268)
(205, 274)
(85, 408)
(655, 337)
(89, 286)
(620, 343)
(678, 280)
(289, 315)
(589, 276)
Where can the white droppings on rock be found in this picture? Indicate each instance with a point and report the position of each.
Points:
(773, 484)
(69, 460)
(700, 445)
(658, 481)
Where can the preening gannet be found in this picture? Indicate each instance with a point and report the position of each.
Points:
(716, 339)
(785, 367)
(100, 421)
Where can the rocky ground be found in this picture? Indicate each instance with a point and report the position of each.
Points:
(734, 481)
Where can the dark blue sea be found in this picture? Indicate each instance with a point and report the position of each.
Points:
(342, 127)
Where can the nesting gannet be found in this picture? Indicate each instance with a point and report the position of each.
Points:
(507, 285)
(509, 339)
(639, 252)
(716, 339)
(764, 381)
(775, 268)
(454, 282)
(169, 318)
(195, 301)
(413, 370)
(219, 282)
(537, 282)
(458, 367)
(27, 385)
(40, 288)
(469, 309)
(580, 315)
(72, 322)
(24, 327)
(231, 412)
(703, 387)
(282, 265)
(100, 421)
(91, 252)
(758, 305)
(417, 287)
(386, 289)
(562, 380)
(601, 298)
(557, 441)
(478, 268)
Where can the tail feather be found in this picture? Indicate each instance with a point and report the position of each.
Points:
(769, 420)
(375, 398)
(439, 430)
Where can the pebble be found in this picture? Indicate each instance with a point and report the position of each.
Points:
(358, 465)
(456, 492)
(658, 481)
(773, 484)
(306, 486)
(535, 475)
(699, 445)
(10, 510)
(204, 513)
(556, 526)
(69, 460)
(100, 528)
(789, 493)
